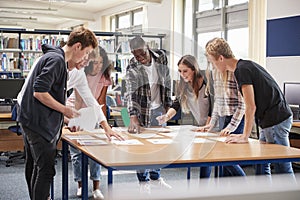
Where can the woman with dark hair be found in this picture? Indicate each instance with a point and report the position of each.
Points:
(98, 78)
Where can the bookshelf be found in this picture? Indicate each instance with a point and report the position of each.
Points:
(22, 47)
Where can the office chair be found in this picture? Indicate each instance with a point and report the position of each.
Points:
(15, 128)
(17, 157)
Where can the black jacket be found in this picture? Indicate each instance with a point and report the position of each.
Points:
(49, 75)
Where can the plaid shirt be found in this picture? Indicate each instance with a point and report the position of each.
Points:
(138, 94)
(228, 101)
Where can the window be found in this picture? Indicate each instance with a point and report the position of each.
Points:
(130, 21)
(124, 21)
(138, 18)
(219, 18)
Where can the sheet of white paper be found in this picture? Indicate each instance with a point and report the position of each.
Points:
(98, 130)
(160, 141)
(120, 129)
(79, 137)
(174, 128)
(157, 130)
(87, 119)
(100, 136)
(91, 142)
(127, 142)
(202, 140)
(221, 139)
(146, 135)
(204, 134)
(172, 134)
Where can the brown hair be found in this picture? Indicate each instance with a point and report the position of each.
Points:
(84, 36)
(191, 62)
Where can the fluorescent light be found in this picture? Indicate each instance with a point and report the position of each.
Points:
(26, 9)
(18, 18)
(72, 1)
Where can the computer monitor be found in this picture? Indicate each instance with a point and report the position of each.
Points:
(291, 92)
(10, 88)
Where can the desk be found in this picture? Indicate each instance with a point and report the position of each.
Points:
(182, 152)
(5, 116)
(295, 135)
(296, 124)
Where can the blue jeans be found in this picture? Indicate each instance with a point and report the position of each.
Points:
(153, 174)
(277, 134)
(234, 170)
(95, 168)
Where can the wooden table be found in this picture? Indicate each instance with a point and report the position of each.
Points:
(182, 152)
(296, 124)
(5, 116)
(9, 141)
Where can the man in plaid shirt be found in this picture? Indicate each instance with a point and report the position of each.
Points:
(148, 86)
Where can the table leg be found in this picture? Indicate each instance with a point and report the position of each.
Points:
(65, 180)
(221, 171)
(216, 171)
(109, 175)
(188, 174)
(84, 178)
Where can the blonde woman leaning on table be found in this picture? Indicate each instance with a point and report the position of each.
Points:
(98, 78)
(229, 110)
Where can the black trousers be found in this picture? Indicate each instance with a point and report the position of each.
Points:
(39, 164)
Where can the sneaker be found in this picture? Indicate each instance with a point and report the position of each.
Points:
(160, 182)
(97, 194)
(145, 187)
(79, 192)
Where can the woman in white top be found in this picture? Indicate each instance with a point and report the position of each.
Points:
(98, 78)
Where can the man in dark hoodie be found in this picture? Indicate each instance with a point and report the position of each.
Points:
(42, 109)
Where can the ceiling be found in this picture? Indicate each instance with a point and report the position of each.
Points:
(47, 14)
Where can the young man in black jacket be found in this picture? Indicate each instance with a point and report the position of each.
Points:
(42, 109)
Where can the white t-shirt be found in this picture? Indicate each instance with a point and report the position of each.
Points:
(154, 87)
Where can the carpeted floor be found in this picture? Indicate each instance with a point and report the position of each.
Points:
(13, 185)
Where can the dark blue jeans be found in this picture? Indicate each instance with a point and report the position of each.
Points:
(234, 170)
(153, 174)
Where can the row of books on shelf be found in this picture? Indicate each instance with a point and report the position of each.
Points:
(35, 44)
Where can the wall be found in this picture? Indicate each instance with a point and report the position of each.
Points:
(283, 68)
(159, 19)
